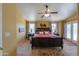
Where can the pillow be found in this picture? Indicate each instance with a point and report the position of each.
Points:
(40, 32)
(46, 32)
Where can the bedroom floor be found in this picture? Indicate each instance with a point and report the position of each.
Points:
(24, 49)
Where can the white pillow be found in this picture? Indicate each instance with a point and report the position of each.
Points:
(46, 32)
(40, 32)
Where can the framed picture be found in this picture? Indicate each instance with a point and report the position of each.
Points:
(21, 29)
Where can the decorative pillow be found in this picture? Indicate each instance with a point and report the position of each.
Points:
(40, 32)
(46, 32)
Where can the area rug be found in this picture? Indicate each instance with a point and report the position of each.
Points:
(47, 52)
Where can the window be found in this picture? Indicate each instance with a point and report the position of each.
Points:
(68, 34)
(65, 30)
(31, 28)
(54, 27)
(75, 31)
(71, 31)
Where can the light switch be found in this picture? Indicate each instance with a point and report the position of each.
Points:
(7, 34)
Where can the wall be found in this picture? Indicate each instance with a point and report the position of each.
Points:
(21, 22)
(61, 28)
(70, 19)
(9, 28)
(12, 19)
(27, 28)
(0, 25)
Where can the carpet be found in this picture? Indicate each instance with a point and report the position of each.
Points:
(47, 52)
(25, 49)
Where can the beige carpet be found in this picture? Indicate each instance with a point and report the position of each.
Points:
(25, 49)
(47, 52)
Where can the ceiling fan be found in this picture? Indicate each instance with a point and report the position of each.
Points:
(47, 12)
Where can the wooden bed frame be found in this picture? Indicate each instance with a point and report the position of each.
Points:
(47, 41)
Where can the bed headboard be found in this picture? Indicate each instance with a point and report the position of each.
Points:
(43, 29)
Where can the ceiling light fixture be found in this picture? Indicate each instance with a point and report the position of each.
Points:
(47, 12)
(46, 15)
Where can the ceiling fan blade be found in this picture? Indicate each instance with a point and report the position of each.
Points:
(40, 13)
(53, 12)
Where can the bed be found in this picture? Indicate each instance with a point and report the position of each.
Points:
(44, 39)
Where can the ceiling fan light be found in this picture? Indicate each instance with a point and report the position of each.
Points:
(46, 15)
(48, 10)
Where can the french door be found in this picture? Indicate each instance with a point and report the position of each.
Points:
(75, 31)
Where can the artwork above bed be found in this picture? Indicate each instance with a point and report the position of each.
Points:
(43, 24)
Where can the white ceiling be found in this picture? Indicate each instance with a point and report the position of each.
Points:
(30, 10)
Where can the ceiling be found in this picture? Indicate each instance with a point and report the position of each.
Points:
(30, 10)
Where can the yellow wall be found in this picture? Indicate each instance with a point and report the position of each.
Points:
(20, 21)
(61, 28)
(11, 21)
(9, 25)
